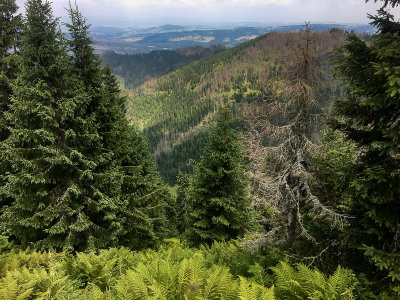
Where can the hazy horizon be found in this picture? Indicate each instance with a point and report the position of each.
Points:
(213, 12)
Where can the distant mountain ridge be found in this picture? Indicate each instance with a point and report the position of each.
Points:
(171, 37)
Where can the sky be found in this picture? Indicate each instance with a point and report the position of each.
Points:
(204, 12)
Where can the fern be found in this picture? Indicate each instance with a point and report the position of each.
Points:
(101, 270)
(254, 291)
(174, 272)
(190, 276)
(10, 288)
(338, 284)
(303, 283)
(131, 286)
(93, 292)
(38, 284)
(28, 259)
(217, 284)
(167, 276)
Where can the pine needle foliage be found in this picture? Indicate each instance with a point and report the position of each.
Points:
(82, 177)
(218, 195)
(10, 26)
(370, 118)
(40, 169)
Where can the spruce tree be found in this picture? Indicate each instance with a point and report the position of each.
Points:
(370, 117)
(10, 26)
(220, 206)
(146, 205)
(54, 201)
(124, 167)
(39, 172)
(182, 206)
(82, 176)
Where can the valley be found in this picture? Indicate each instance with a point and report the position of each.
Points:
(175, 110)
(171, 37)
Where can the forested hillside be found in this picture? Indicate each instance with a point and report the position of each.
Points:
(136, 69)
(295, 195)
(175, 110)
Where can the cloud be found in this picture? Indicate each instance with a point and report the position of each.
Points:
(134, 12)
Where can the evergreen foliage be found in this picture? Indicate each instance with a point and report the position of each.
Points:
(369, 116)
(36, 133)
(182, 206)
(10, 26)
(218, 196)
(82, 177)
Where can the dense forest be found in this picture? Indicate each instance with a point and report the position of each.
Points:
(175, 110)
(294, 194)
(136, 69)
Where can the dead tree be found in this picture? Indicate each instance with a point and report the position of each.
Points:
(282, 133)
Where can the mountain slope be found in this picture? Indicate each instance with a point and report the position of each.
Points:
(175, 110)
(136, 69)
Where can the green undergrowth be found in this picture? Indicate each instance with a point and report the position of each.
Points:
(175, 271)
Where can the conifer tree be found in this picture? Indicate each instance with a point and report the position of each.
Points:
(123, 156)
(39, 173)
(10, 25)
(282, 134)
(182, 206)
(220, 206)
(370, 117)
(82, 177)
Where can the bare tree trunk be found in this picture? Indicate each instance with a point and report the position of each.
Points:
(292, 228)
(282, 132)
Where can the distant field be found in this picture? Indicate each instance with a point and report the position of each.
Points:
(170, 37)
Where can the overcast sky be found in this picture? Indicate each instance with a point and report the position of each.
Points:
(182, 12)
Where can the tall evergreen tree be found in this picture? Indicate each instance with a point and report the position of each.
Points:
(220, 206)
(10, 26)
(82, 177)
(10, 29)
(370, 117)
(32, 148)
(182, 206)
(123, 157)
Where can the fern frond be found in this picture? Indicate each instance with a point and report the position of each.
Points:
(217, 283)
(131, 286)
(253, 291)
